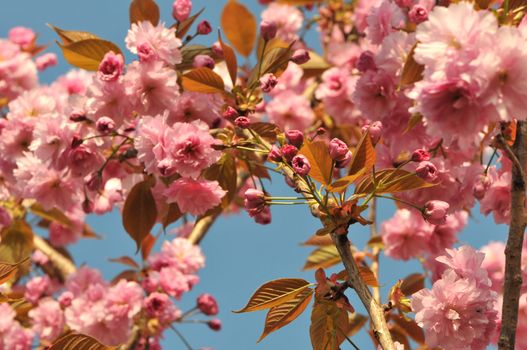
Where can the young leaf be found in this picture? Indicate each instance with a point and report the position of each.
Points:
(126, 260)
(266, 130)
(413, 283)
(230, 59)
(329, 325)
(364, 156)
(411, 328)
(392, 181)
(71, 36)
(172, 215)
(8, 271)
(189, 52)
(224, 171)
(77, 341)
(318, 155)
(147, 245)
(54, 215)
(412, 71)
(342, 184)
(17, 243)
(184, 26)
(322, 257)
(281, 315)
(144, 10)
(203, 80)
(139, 212)
(275, 293)
(239, 26)
(315, 66)
(275, 61)
(318, 240)
(356, 322)
(87, 54)
(368, 276)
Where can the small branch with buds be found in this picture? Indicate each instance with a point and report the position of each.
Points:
(513, 250)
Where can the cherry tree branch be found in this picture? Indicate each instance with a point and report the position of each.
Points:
(63, 264)
(513, 250)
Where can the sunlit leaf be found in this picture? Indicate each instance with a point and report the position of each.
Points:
(17, 244)
(411, 328)
(275, 61)
(415, 119)
(54, 215)
(329, 325)
(315, 66)
(376, 242)
(126, 260)
(147, 245)
(322, 257)
(172, 215)
(224, 171)
(342, 184)
(87, 54)
(8, 270)
(318, 155)
(266, 130)
(392, 181)
(413, 283)
(139, 212)
(412, 71)
(274, 293)
(368, 276)
(230, 59)
(363, 157)
(144, 10)
(283, 314)
(71, 36)
(271, 44)
(239, 26)
(77, 341)
(356, 322)
(318, 240)
(203, 80)
(184, 26)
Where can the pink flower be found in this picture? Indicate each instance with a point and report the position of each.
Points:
(161, 40)
(195, 196)
(111, 67)
(374, 94)
(444, 236)
(45, 61)
(290, 111)
(82, 279)
(17, 71)
(180, 253)
(288, 20)
(191, 106)
(214, 324)
(204, 28)
(124, 300)
(181, 9)
(288, 152)
(494, 264)
(420, 155)
(336, 91)
(254, 199)
(435, 212)
(175, 283)
(22, 36)
(427, 171)
(160, 306)
(207, 304)
(338, 149)
(263, 217)
(418, 14)
(109, 100)
(383, 20)
(203, 61)
(295, 137)
(456, 313)
(497, 200)
(12, 334)
(268, 30)
(466, 262)
(267, 82)
(37, 287)
(406, 235)
(301, 165)
(47, 319)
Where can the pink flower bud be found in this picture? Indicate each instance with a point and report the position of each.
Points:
(418, 14)
(254, 199)
(45, 61)
(230, 113)
(289, 151)
(214, 324)
(242, 122)
(268, 30)
(22, 36)
(204, 28)
(321, 131)
(404, 3)
(344, 162)
(274, 154)
(87, 206)
(481, 187)
(295, 137)
(39, 258)
(426, 171)
(94, 183)
(78, 115)
(76, 141)
(366, 61)
(300, 56)
(105, 125)
(207, 304)
(338, 149)
(65, 299)
(268, 82)
(263, 217)
(420, 155)
(375, 130)
(301, 165)
(181, 9)
(203, 61)
(110, 67)
(435, 212)
(217, 49)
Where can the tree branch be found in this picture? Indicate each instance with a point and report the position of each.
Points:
(513, 250)
(63, 264)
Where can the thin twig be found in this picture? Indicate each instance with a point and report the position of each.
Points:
(187, 344)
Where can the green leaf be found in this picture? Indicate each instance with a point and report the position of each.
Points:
(139, 212)
(275, 293)
(87, 54)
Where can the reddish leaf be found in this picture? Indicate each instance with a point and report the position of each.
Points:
(239, 26)
(412, 71)
(323, 257)
(126, 260)
(144, 10)
(77, 341)
(413, 283)
(318, 155)
(147, 245)
(184, 26)
(230, 59)
(364, 156)
(203, 80)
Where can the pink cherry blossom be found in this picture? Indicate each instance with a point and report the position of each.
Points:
(290, 111)
(288, 20)
(497, 199)
(383, 20)
(47, 319)
(195, 196)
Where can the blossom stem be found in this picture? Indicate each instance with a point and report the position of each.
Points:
(490, 161)
(513, 250)
(252, 149)
(400, 201)
(178, 333)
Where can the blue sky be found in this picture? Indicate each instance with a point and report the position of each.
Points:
(240, 254)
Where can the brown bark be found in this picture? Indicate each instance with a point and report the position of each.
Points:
(513, 250)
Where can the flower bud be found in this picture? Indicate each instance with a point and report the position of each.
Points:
(242, 122)
(217, 49)
(203, 61)
(214, 324)
(300, 56)
(435, 212)
(344, 162)
(274, 154)
(268, 30)
(289, 151)
(78, 115)
(418, 14)
(94, 183)
(338, 150)
(268, 82)
(230, 113)
(375, 130)
(366, 61)
(254, 199)
(87, 206)
(105, 125)
(65, 299)
(481, 187)
(76, 141)
(295, 137)
(207, 304)
(420, 155)
(263, 217)
(45, 61)
(426, 171)
(301, 165)
(110, 67)
(181, 9)
(204, 28)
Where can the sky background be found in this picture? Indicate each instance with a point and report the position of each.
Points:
(240, 255)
